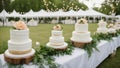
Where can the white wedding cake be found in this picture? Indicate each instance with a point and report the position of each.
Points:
(57, 39)
(19, 42)
(81, 33)
(102, 27)
(117, 26)
(19, 45)
(111, 28)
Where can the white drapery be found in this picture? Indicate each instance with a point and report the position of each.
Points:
(79, 57)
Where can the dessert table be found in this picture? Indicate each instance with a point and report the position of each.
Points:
(79, 57)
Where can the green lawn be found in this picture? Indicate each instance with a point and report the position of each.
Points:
(42, 32)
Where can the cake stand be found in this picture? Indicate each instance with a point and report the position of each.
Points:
(19, 59)
(61, 47)
(80, 44)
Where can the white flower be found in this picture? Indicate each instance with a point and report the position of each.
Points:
(57, 27)
(37, 44)
(82, 21)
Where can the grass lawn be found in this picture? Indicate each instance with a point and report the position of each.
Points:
(42, 32)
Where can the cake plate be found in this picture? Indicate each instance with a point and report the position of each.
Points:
(61, 47)
(79, 44)
(19, 59)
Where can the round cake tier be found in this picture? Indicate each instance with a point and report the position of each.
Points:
(56, 41)
(63, 46)
(81, 27)
(102, 24)
(111, 30)
(19, 59)
(81, 37)
(19, 48)
(102, 30)
(19, 35)
(55, 33)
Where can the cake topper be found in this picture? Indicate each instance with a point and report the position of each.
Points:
(19, 25)
(82, 21)
(57, 27)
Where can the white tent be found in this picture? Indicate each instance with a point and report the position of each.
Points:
(29, 14)
(92, 12)
(81, 13)
(4, 14)
(42, 13)
(59, 13)
(15, 14)
(71, 13)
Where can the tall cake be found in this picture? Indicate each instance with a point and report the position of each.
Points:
(102, 27)
(19, 45)
(81, 33)
(57, 40)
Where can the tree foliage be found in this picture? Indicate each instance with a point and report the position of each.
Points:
(109, 7)
(36, 5)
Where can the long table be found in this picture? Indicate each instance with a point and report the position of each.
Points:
(79, 57)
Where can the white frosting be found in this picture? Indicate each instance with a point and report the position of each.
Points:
(19, 40)
(8, 54)
(81, 33)
(102, 30)
(81, 27)
(56, 38)
(112, 30)
(117, 26)
(55, 33)
(18, 46)
(19, 35)
(102, 27)
(57, 47)
(81, 37)
(56, 41)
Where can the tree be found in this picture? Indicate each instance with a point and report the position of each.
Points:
(110, 7)
(4, 4)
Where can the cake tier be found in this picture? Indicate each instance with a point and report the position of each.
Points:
(56, 41)
(102, 30)
(19, 59)
(19, 35)
(81, 27)
(8, 54)
(55, 33)
(62, 47)
(81, 37)
(111, 30)
(19, 48)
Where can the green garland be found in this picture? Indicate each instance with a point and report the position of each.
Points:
(44, 55)
(89, 47)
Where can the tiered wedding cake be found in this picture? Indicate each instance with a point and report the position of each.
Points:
(57, 40)
(111, 28)
(81, 33)
(19, 45)
(117, 26)
(102, 27)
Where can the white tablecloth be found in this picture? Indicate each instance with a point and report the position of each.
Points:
(79, 57)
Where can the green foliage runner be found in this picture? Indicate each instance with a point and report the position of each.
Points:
(45, 56)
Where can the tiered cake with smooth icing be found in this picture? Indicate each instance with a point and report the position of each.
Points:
(111, 28)
(57, 39)
(19, 45)
(117, 26)
(102, 27)
(81, 33)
